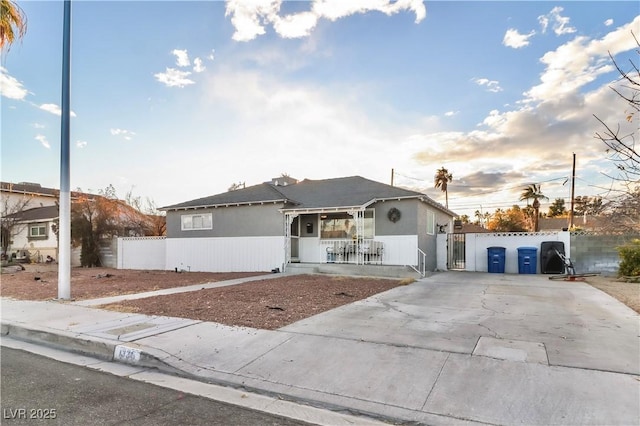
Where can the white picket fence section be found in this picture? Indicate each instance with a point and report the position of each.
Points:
(147, 253)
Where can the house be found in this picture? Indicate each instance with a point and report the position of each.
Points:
(273, 224)
(469, 228)
(580, 222)
(30, 216)
(33, 235)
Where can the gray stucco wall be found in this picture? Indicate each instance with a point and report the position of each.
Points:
(408, 223)
(239, 221)
(592, 253)
(428, 242)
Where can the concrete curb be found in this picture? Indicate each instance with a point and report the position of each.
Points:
(105, 350)
(80, 344)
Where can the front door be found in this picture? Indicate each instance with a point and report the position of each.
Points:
(295, 240)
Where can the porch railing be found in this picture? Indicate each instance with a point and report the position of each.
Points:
(421, 267)
(357, 252)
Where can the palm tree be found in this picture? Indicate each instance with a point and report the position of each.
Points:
(533, 192)
(442, 179)
(13, 23)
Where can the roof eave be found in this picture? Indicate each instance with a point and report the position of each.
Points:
(217, 205)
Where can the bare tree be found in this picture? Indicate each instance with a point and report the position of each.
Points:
(623, 206)
(10, 224)
(147, 219)
(235, 186)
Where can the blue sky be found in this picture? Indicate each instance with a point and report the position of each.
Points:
(178, 100)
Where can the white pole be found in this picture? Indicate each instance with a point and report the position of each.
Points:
(64, 236)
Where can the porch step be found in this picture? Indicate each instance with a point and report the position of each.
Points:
(386, 271)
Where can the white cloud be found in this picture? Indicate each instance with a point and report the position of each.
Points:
(10, 87)
(451, 113)
(326, 120)
(579, 62)
(174, 78)
(512, 38)
(54, 109)
(125, 134)
(491, 85)
(554, 119)
(212, 56)
(336, 9)
(81, 144)
(38, 126)
(560, 24)
(43, 140)
(249, 18)
(608, 22)
(182, 57)
(198, 65)
(295, 26)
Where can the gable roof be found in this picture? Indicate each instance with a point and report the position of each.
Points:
(36, 214)
(262, 193)
(28, 189)
(337, 193)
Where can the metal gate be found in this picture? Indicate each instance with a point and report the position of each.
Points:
(456, 251)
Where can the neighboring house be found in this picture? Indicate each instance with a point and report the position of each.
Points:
(30, 211)
(32, 194)
(267, 226)
(34, 234)
(14, 199)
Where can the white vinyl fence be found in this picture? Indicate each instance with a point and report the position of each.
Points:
(147, 253)
(237, 254)
(248, 254)
(476, 245)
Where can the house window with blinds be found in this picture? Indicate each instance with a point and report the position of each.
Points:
(37, 231)
(194, 222)
(431, 223)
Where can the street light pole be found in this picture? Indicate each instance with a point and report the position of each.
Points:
(64, 230)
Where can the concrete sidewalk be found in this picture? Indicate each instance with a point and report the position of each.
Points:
(454, 348)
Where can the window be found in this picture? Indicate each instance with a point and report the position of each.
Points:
(38, 231)
(192, 222)
(343, 225)
(431, 223)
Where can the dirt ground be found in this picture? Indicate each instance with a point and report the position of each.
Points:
(627, 293)
(266, 304)
(40, 281)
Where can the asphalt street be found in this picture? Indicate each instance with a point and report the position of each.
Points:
(39, 390)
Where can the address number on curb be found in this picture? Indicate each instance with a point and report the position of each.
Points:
(127, 354)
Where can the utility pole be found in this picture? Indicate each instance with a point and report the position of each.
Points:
(392, 177)
(64, 229)
(573, 188)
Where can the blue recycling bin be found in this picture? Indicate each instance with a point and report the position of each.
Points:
(527, 260)
(495, 259)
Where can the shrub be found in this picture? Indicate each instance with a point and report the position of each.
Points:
(630, 259)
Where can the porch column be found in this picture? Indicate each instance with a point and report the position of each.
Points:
(358, 217)
(288, 220)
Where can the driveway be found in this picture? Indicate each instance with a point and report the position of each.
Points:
(514, 317)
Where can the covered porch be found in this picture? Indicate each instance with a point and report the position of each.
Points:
(332, 235)
(344, 236)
